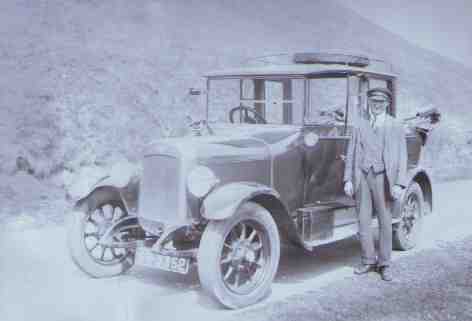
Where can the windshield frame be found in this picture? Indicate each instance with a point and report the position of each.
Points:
(306, 91)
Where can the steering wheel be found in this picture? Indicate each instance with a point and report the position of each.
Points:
(244, 117)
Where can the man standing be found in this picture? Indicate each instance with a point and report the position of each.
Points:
(376, 169)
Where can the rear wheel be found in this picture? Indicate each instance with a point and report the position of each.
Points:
(406, 232)
(238, 257)
(86, 228)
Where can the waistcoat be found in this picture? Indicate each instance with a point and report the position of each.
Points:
(372, 143)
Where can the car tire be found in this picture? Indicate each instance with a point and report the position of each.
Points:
(406, 233)
(239, 256)
(83, 234)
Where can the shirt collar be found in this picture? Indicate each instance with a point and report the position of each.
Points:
(379, 120)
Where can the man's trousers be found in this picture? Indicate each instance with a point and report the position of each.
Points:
(372, 192)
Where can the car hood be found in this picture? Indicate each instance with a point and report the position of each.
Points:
(229, 142)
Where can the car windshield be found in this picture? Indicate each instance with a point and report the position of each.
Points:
(277, 101)
(272, 101)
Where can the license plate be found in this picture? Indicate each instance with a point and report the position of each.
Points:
(147, 258)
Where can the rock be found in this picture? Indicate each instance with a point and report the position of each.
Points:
(23, 164)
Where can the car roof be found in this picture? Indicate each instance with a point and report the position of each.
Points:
(297, 71)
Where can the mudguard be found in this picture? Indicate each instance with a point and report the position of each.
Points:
(421, 176)
(109, 187)
(121, 182)
(223, 201)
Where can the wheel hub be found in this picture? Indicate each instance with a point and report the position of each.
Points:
(242, 252)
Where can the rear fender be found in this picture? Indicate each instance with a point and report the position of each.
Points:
(421, 176)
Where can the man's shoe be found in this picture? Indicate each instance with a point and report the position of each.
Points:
(386, 273)
(364, 268)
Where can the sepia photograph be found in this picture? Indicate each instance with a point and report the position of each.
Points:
(225, 160)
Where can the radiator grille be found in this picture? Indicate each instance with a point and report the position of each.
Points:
(161, 189)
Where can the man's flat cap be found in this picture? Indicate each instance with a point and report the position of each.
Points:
(380, 94)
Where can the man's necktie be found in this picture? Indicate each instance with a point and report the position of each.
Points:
(373, 121)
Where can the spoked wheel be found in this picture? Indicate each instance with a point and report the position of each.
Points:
(239, 256)
(406, 232)
(84, 232)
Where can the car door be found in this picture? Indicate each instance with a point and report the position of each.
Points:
(334, 104)
(324, 168)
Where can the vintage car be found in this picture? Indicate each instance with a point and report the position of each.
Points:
(265, 167)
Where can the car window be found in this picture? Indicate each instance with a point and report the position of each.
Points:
(327, 101)
(284, 101)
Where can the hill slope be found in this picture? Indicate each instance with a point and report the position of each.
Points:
(85, 80)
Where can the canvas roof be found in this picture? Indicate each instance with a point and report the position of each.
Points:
(296, 70)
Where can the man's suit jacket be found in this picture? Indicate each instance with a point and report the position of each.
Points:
(394, 154)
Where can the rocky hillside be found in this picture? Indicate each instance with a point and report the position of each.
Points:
(87, 82)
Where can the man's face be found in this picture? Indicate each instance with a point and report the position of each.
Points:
(378, 106)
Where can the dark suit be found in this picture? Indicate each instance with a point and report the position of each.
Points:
(394, 154)
(371, 188)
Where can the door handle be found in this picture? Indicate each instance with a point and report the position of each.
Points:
(341, 157)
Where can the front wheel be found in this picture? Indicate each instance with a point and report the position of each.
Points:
(406, 232)
(238, 256)
(86, 228)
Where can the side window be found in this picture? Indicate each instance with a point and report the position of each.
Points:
(327, 97)
(327, 101)
(274, 91)
(283, 101)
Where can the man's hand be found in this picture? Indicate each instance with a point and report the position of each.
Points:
(397, 192)
(349, 189)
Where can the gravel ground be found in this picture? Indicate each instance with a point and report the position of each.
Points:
(433, 281)
(433, 285)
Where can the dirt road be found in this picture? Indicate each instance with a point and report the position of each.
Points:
(39, 281)
(433, 285)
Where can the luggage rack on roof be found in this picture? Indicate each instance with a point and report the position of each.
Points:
(323, 58)
(330, 58)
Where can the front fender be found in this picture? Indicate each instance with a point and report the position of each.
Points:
(121, 181)
(104, 189)
(223, 201)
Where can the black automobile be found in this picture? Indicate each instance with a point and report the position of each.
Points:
(265, 167)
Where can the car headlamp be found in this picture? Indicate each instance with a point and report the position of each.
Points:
(200, 181)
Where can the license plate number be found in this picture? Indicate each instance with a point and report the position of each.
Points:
(147, 258)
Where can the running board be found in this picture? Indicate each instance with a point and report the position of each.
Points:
(337, 203)
(316, 227)
(339, 233)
